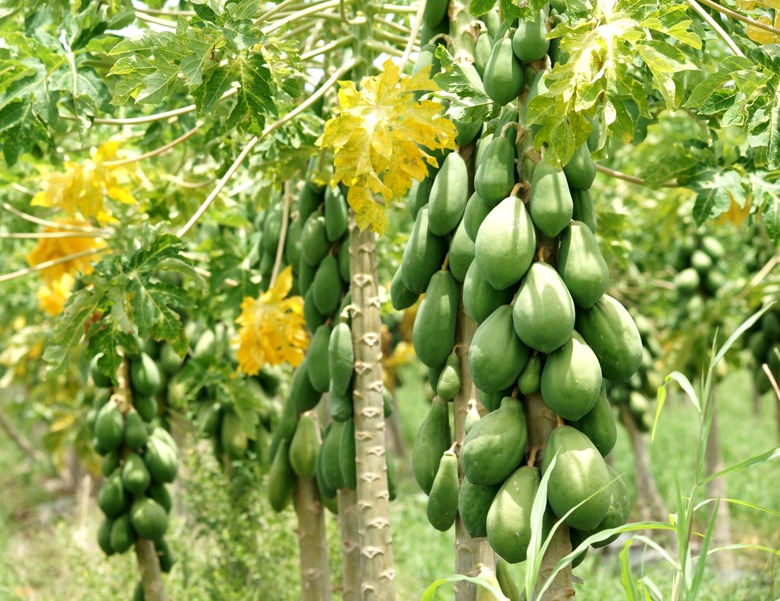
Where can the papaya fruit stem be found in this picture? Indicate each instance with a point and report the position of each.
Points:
(532, 456)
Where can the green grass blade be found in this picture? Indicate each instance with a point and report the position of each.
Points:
(650, 589)
(537, 547)
(687, 387)
(769, 455)
(660, 401)
(749, 546)
(701, 565)
(738, 332)
(629, 586)
(430, 592)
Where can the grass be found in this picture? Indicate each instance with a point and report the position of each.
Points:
(228, 549)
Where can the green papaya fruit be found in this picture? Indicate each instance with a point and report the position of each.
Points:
(341, 358)
(482, 145)
(581, 265)
(104, 536)
(580, 170)
(612, 334)
(392, 477)
(482, 51)
(317, 360)
(537, 87)
(311, 315)
(149, 518)
(448, 196)
(135, 475)
(434, 327)
(496, 444)
(473, 504)
(492, 400)
(638, 404)
(507, 582)
(687, 281)
(304, 447)
(531, 377)
(266, 265)
(598, 424)
(577, 538)
(343, 258)
(159, 492)
(551, 203)
(434, 373)
(98, 377)
(165, 437)
(110, 463)
(543, 313)
(165, 554)
(423, 255)
(503, 73)
(530, 42)
(326, 287)
(619, 507)
(322, 483)
(714, 281)
(348, 455)
(480, 299)
(136, 433)
(331, 471)
(497, 355)
(306, 275)
(495, 174)
(716, 251)
(387, 402)
(432, 440)
(594, 139)
(336, 214)
(428, 33)
(112, 498)
(232, 435)
(427, 59)
(281, 478)
(448, 384)
(161, 460)
(701, 261)
(138, 592)
(443, 501)
(209, 419)
(619, 394)
(272, 227)
(505, 244)
(435, 11)
(145, 375)
(571, 379)
(109, 427)
(418, 195)
(509, 517)
(400, 296)
(472, 417)
(461, 254)
(122, 535)
(476, 211)
(583, 208)
(314, 239)
(303, 395)
(492, 21)
(579, 475)
(292, 245)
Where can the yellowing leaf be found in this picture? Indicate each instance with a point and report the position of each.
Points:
(52, 296)
(84, 186)
(381, 137)
(762, 36)
(273, 329)
(735, 214)
(55, 248)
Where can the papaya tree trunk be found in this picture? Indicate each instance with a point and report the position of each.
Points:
(312, 542)
(149, 565)
(373, 499)
(350, 547)
(541, 422)
(470, 553)
(717, 489)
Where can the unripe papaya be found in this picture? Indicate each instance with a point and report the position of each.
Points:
(232, 437)
(98, 377)
(509, 517)
(583, 208)
(418, 195)
(716, 251)
(531, 377)
(497, 355)
(492, 400)
(314, 239)
(612, 334)
(480, 299)
(306, 275)
(448, 384)
(594, 139)
(503, 73)
(272, 226)
(581, 265)
(322, 483)
(304, 447)
(112, 498)
(448, 196)
(336, 214)
(505, 244)
(473, 505)
(281, 478)
(159, 492)
(331, 471)
(701, 261)
(492, 21)
(425, 59)
(467, 131)
(428, 33)
(149, 519)
(619, 507)
(341, 357)
(165, 554)
(507, 582)
(423, 255)
(317, 360)
(400, 296)
(551, 204)
(543, 313)
(581, 170)
(472, 417)
(109, 427)
(136, 433)
(598, 424)
(530, 41)
(495, 174)
(476, 211)
(145, 375)
(496, 444)
(434, 12)
(434, 327)
(135, 475)
(292, 246)
(110, 463)
(311, 315)
(348, 455)
(343, 258)
(161, 460)
(122, 535)
(433, 439)
(579, 474)
(303, 396)
(687, 281)
(326, 287)
(104, 536)
(443, 500)
(482, 52)
(571, 379)
(461, 254)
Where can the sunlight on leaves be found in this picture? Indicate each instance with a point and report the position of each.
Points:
(83, 187)
(381, 137)
(272, 330)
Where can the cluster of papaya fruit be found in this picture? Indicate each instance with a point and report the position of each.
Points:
(697, 261)
(513, 240)
(139, 458)
(639, 392)
(764, 344)
(299, 448)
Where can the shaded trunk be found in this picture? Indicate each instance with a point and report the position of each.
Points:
(19, 439)
(470, 553)
(149, 565)
(376, 547)
(350, 549)
(716, 489)
(312, 542)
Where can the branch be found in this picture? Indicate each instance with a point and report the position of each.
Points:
(46, 264)
(346, 19)
(155, 20)
(739, 17)
(172, 13)
(47, 223)
(299, 15)
(282, 234)
(383, 48)
(413, 35)
(393, 25)
(20, 439)
(156, 151)
(251, 144)
(717, 28)
(393, 8)
(632, 178)
(264, 17)
(345, 41)
(39, 235)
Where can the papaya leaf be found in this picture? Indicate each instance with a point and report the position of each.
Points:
(715, 191)
(481, 7)
(70, 327)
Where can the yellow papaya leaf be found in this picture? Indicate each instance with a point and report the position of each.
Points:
(55, 248)
(381, 136)
(52, 296)
(272, 328)
(83, 187)
(62, 423)
(762, 36)
(735, 214)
